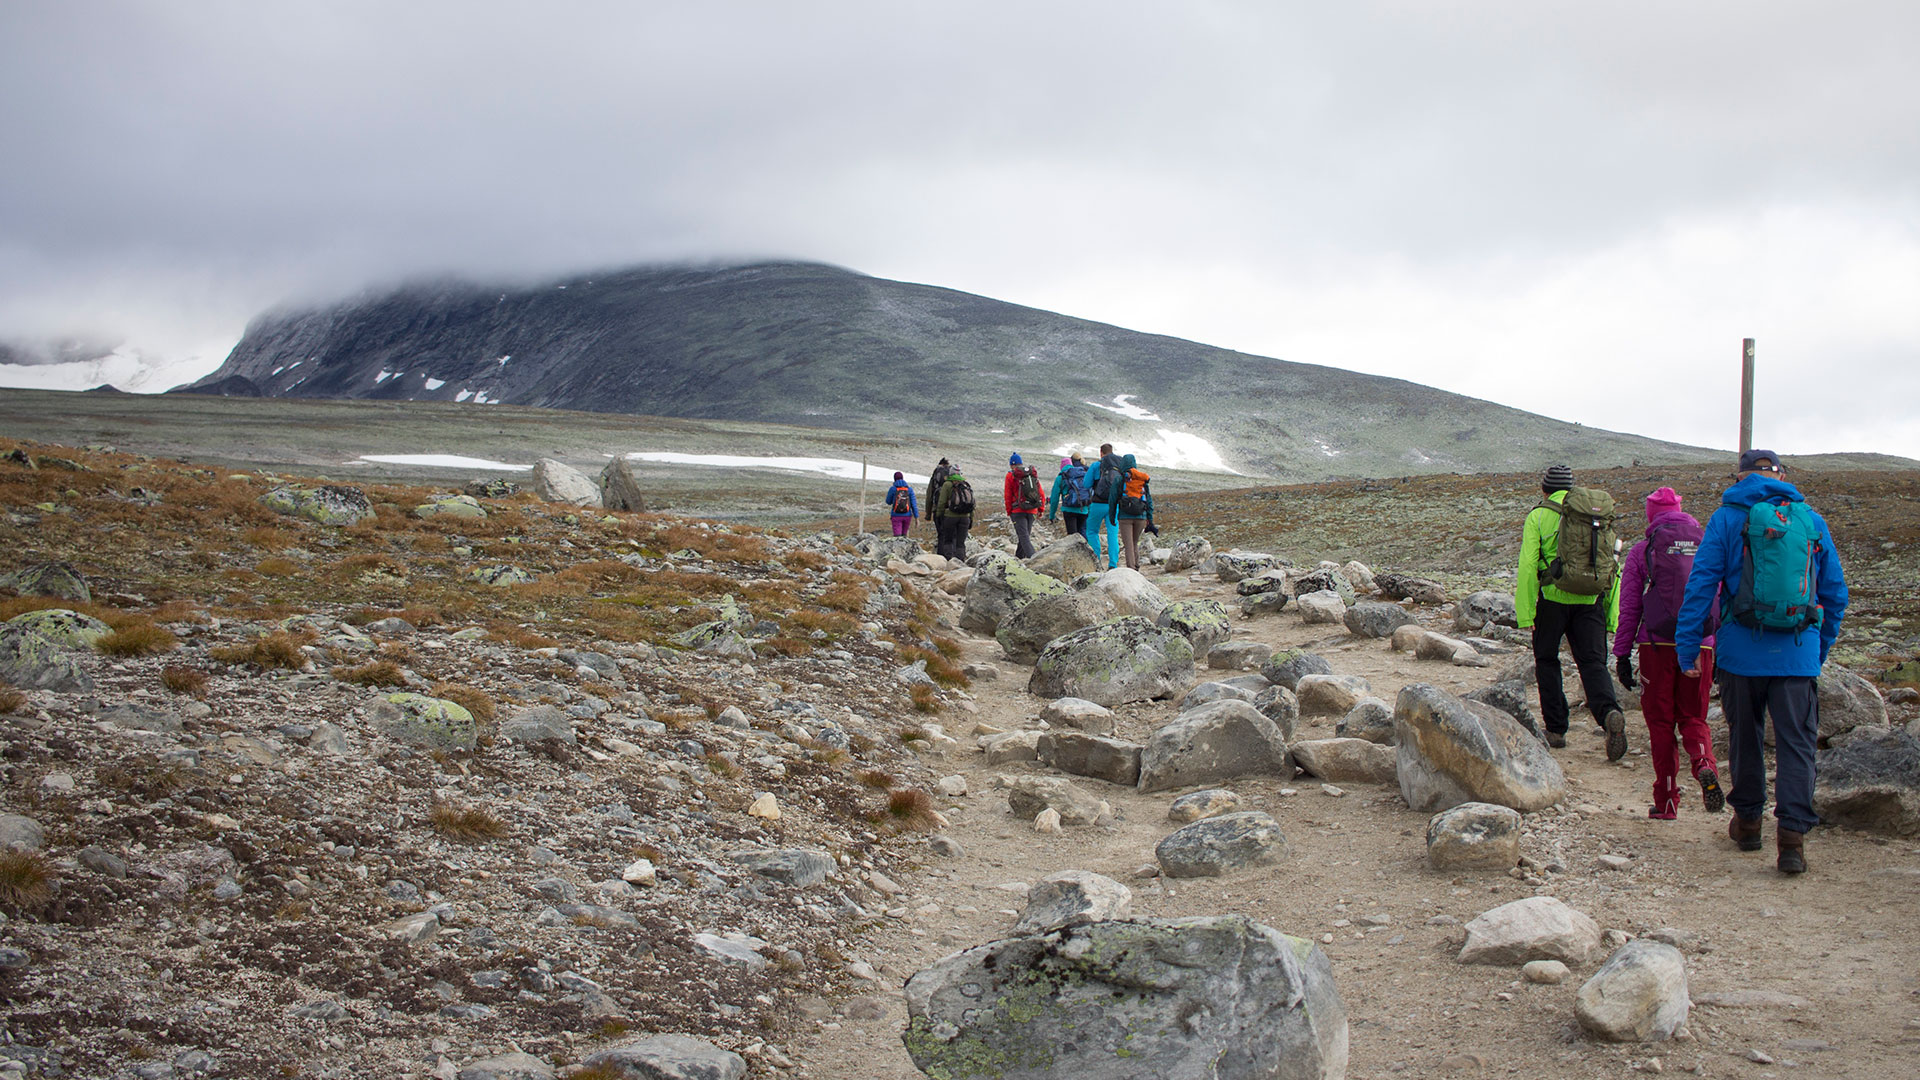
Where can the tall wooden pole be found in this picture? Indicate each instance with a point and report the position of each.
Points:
(1746, 394)
(863, 487)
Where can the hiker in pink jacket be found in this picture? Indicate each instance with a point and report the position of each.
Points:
(1653, 579)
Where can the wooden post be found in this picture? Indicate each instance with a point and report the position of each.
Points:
(1746, 394)
(863, 492)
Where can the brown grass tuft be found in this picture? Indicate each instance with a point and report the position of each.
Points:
(276, 567)
(184, 680)
(372, 673)
(464, 822)
(276, 650)
(925, 699)
(473, 699)
(848, 598)
(720, 765)
(803, 559)
(139, 638)
(875, 778)
(11, 699)
(911, 809)
(26, 881)
(520, 637)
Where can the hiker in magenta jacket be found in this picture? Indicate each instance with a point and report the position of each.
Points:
(1764, 674)
(1022, 516)
(1671, 701)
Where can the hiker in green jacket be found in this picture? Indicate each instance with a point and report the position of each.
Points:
(1583, 619)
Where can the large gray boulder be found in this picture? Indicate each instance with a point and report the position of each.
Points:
(798, 867)
(1216, 741)
(1212, 846)
(1280, 705)
(1375, 618)
(1321, 607)
(1204, 622)
(538, 723)
(1330, 695)
(1371, 719)
(1535, 928)
(1001, 585)
(1231, 566)
(1127, 659)
(1848, 701)
(1511, 697)
(1483, 609)
(1188, 552)
(1453, 751)
(1345, 761)
(1081, 715)
(559, 482)
(1474, 836)
(1027, 631)
(1208, 692)
(328, 504)
(1871, 784)
(1324, 578)
(1072, 898)
(17, 831)
(56, 579)
(1064, 559)
(669, 1057)
(1132, 593)
(1152, 999)
(1286, 668)
(1638, 995)
(30, 661)
(620, 488)
(1029, 795)
(1098, 756)
(1409, 587)
(1239, 655)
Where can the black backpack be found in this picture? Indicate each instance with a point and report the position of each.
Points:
(959, 495)
(1107, 488)
(1029, 491)
(902, 500)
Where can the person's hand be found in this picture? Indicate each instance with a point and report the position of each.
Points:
(1693, 672)
(1623, 669)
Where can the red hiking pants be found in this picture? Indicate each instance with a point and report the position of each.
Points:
(1676, 710)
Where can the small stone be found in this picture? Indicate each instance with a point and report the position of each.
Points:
(639, 872)
(953, 787)
(765, 806)
(1047, 822)
(1331, 791)
(1759, 1057)
(1544, 972)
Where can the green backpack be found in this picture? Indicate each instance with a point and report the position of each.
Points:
(1587, 557)
(1779, 577)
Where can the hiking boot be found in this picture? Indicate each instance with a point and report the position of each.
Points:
(1557, 739)
(1793, 856)
(1745, 832)
(1616, 725)
(1710, 791)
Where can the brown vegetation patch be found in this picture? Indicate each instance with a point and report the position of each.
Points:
(472, 699)
(372, 673)
(180, 679)
(137, 638)
(26, 881)
(279, 649)
(464, 822)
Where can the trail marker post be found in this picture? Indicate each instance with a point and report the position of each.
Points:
(1746, 394)
(863, 492)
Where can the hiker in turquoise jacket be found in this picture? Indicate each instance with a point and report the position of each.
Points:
(1553, 613)
(1763, 672)
(1056, 501)
(1104, 516)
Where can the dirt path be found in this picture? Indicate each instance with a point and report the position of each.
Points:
(1841, 939)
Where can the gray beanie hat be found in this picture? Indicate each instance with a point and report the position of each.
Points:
(1556, 478)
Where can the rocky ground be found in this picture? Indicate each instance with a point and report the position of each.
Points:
(251, 862)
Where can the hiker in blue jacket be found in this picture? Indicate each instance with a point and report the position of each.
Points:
(1060, 501)
(1102, 513)
(901, 504)
(1766, 671)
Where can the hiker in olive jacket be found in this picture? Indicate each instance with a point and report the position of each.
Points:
(1553, 613)
(950, 525)
(933, 485)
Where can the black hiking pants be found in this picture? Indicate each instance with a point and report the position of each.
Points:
(950, 531)
(1585, 628)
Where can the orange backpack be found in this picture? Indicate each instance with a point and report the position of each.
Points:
(1133, 497)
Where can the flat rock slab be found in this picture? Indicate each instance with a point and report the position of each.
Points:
(1536, 928)
(798, 867)
(1214, 742)
(670, 1057)
(1096, 756)
(1330, 695)
(1220, 997)
(1028, 796)
(1070, 898)
(1345, 761)
(1212, 846)
(1079, 714)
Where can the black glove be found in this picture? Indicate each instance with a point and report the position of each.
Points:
(1623, 668)
(1152, 529)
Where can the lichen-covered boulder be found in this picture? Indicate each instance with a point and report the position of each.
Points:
(501, 576)
(328, 504)
(1064, 559)
(1127, 659)
(453, 506)
(1000, 586)
(1028, 630)
(1212, 846)
(1871, 784)
(56, 579)
(1286, 668)
(1231, 566)
(1453, 751)
(1204, 622)
(1188, 552)
(67, 629)
(30, 661)
(1474, 836)
(1153, 999)
(559, 482)
(425, 721)
(492, 487)
(1375, 618)
(1216, 741)
(1324, 578)
(1071, 898)
(620, 488)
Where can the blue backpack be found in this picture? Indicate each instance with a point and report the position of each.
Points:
(1077, 494)
(1779, 579)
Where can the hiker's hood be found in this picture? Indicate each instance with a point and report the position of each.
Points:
(1755, 488)
(1667, 516)
(1127, 462)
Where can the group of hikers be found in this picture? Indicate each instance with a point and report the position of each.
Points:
(1753, 599)
(1112, 497)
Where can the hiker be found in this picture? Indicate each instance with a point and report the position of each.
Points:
(1571, 591)
(1023, 499)
(1104, 478)
(901, 502)
(953, 514)
(933, 487)
(1653, 579)
(1070, 495)
(1135, 508)
(1778, 628)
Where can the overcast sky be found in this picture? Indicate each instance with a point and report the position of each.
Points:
(1578, 210)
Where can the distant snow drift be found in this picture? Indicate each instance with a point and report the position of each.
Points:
(1168, 449)
(837, 467)
(443, 461)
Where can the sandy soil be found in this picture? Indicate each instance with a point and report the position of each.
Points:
(1839, 939)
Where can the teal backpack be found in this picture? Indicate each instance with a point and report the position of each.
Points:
(1779, 581)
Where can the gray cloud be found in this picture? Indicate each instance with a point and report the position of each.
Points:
(1230, 172)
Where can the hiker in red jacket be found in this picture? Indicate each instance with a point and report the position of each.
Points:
(1653, 581)
(1022, 507)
